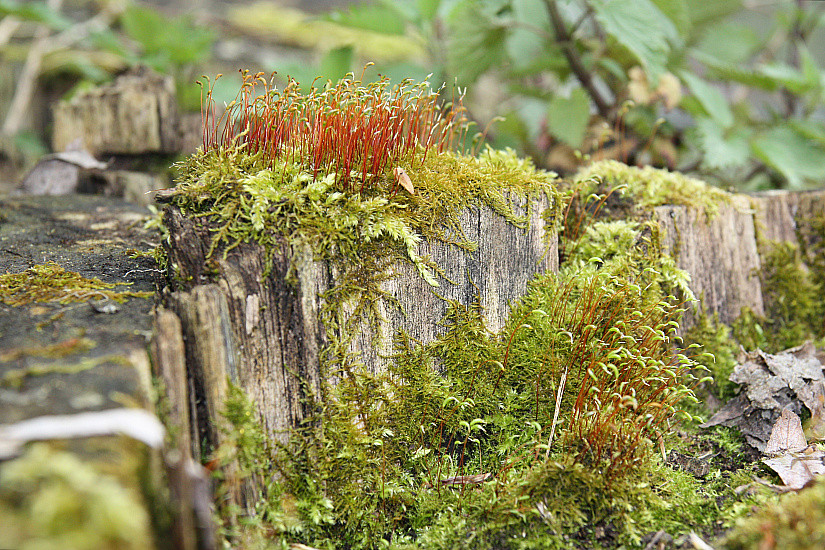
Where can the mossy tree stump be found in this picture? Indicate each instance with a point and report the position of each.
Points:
(266, 334)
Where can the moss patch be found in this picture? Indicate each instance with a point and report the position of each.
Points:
(640, 189)
(51, 498)
(52, 283)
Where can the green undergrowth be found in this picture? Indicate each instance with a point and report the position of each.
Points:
(549, 433)
(546, 434)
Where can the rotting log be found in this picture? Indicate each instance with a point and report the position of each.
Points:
(273, 324)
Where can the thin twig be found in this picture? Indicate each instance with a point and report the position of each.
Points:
(565, 41)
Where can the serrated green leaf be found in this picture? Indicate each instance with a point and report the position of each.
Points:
(711, 99)
(642, 28)
(720, 150)
(567, 117)
(477, 39)
(790, 153)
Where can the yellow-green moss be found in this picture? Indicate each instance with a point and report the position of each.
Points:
(52, 283)
(646, 187)
(796, 522)
(50, 498)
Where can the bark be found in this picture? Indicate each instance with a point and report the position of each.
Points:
(719, 253)
(274, 323)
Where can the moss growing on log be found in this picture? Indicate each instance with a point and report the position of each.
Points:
(50, 282)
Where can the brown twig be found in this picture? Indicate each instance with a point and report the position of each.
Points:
(565, 41)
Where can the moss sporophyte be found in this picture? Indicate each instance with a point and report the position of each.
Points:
(546, 433)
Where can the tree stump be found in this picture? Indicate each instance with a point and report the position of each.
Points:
(720, 254)
(266, 334)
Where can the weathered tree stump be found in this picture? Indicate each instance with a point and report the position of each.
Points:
(136, 114)
(720, 254)
(267, 336)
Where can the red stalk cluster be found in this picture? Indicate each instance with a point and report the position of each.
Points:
(359, 132)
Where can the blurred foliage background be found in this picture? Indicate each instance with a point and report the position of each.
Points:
(729, 90)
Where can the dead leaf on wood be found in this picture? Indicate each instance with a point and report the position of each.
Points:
(770, 383)
(787, 434)
(796, 464)
(404, 180)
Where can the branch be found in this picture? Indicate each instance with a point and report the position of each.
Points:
(568, 48)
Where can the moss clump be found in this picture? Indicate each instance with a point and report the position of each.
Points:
(52, 283)
(796, 522)
(630, 251)
(469, 440)
(640, 189)
(51, 499)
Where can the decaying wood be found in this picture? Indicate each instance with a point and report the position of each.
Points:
(169, 357)
(720, 254)
(274, 323)
(136, 114)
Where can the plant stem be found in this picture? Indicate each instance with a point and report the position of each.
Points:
(568, 48)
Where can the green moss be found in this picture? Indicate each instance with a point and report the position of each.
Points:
(718, 351)
(51, 499)
(647, 187)
(796, 522)
(14, 378)
(391, 451)
(52, 283)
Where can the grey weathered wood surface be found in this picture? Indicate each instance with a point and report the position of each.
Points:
(720, 254)
(135, 114)
(275, 327)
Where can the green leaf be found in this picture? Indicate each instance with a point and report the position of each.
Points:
(524, 43)
(384, 18)
(477, 39)
(336, 63)
(677, 12)
(721, 150)
(711, 99)
(428, 8)
(642, 28)
(791, 154)
(704, 12)
(38, 12)
(729, 42)
(166, 41)
(810, 129)
(734, 72)
(567, 118)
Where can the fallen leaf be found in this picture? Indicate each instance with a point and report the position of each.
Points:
(787, 434)
(402, 178)
(796, 464)
(769, 383)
